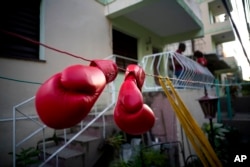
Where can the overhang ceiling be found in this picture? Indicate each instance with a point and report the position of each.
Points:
(217, 7)
(223, 37)
(163, 17)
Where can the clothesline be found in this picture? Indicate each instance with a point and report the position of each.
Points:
(198, 82)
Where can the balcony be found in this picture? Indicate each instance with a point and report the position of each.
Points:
(220, 27)
(192, 75)
(166, 19)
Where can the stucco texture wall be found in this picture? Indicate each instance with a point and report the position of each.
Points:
(78, 27)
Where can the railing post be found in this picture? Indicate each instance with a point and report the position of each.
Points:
(14, 137)
(218, 103)
(229, 101)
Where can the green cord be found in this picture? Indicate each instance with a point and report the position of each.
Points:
(16, 80)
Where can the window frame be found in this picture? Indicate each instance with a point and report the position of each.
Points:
(21, 20)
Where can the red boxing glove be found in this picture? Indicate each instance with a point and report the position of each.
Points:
(130, 114)
(67, 97)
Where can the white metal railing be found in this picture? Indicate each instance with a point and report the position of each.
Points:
(76, 135)
(110, 90)
(192, 74)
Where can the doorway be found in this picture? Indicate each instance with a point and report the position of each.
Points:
(125, 46)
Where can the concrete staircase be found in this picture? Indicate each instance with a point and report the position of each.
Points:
(84, 150)
(240, 115)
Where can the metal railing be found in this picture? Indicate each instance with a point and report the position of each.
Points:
(110, 90)
(192, 74)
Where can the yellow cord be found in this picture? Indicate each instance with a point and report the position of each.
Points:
(194, 133)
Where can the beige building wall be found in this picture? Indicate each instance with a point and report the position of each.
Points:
(78, 27)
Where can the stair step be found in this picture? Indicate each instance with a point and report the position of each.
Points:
(81, 138)
(95, 129)
(237, 116)
(86, 144)
(107, 118)
(97, 124)
(66, 153)
(67, 157)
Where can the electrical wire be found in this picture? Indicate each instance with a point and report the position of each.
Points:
(244, 2)
(16, 80)
(236, 30)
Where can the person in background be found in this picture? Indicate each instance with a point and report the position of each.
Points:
(181, 48)
(178, 68)
(199, 57)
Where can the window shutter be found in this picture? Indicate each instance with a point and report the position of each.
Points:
(22, 18)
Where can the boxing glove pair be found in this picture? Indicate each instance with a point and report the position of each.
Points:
(67, 97)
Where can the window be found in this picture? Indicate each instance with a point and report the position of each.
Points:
(22, 18)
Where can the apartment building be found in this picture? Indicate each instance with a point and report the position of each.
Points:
(218, 30)
(40, 38)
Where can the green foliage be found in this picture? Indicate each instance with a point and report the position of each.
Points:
(151, 157)
(245, 88)
(30, 156)
(115, 141)
(53, 138)
(224, 139)
(219, 132)
(120, 163)
(145, 157)
(27, 157)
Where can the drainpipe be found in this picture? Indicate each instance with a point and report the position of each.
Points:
(193, 45)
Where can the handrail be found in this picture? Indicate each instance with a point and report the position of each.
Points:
(125, 58)
(111, 91)
(14, 128)
(192, 74)
(19, 118)
(76, 135)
